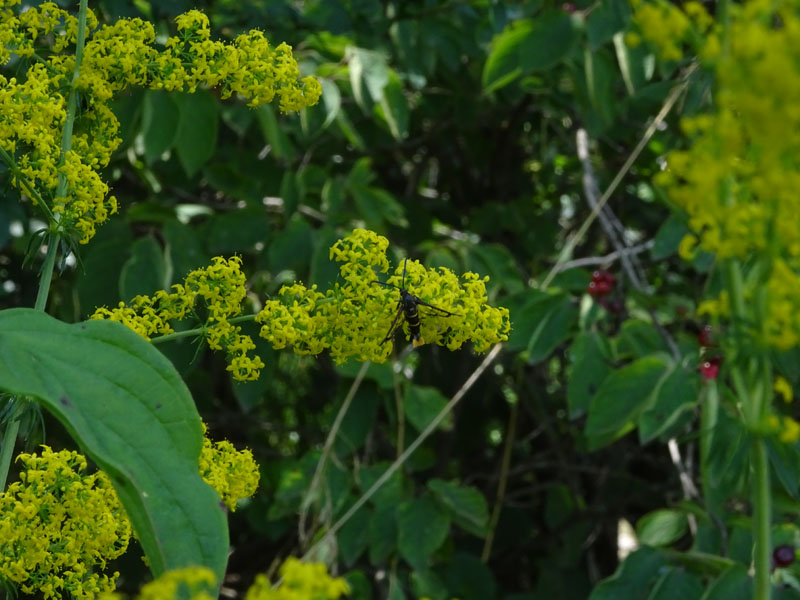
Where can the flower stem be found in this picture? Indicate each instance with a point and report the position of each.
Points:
(761, 519)
(197, 331)
(46, 276)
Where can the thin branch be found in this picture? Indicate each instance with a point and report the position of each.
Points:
(662, 114)
(511, 434)
(408, 452)
(326, 450)
(590, 261)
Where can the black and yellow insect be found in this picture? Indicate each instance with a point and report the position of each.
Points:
(407, 306)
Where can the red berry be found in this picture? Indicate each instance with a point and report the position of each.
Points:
(568, 7)
(710, 368)
(783, 556)
(705, 337)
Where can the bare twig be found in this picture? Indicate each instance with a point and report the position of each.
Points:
(609, 258)
(431, 427)
(326, 450)
(662, 114)
(511, 433)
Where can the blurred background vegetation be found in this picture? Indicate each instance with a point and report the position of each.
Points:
(449, 127)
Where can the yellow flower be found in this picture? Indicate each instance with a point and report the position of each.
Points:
(221, 288)
(232, 473)
(783, 389)
(352, 319)
(299, 581)
(59, 526)
(118, 55)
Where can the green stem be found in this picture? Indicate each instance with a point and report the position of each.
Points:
(12, 425)
(761, 519)
(197, 331)
(709, 413)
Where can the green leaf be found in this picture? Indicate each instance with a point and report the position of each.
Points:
(633, 579)
(331, 100)
(353, 537)
(591, 363)
(196, 138)
(469, 579)
(661, 527)
(377, 207)
(675, 398)
(528, 45)
(623, 395)
(733, 584)
(390, 492)
(184, 250)
(543, 324)
(677, 583)
(785, 459)
(145, 271)
(394, 107)
(422, 527)
(292, 247)
(236, 231)
(103, 259)
(358, 583)
(668, 237)
(605, 21)
(422, 404)
(466, 505)
(382, 533)
(130, 412)
(426, 584)
(160, 115)
(639, 338)
(280, 146)
(357, 422)
(368, 75)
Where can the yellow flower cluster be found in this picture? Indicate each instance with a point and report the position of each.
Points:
(122, 54)
(59, 526)
(738, 180)
(189, 583)
(221, 286)
(353, 318)
(667, 27)
(232, 473)
(299, 581)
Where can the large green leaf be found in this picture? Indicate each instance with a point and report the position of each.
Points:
(422, 527)
(130, 412)
(621, 397)
(466, 504)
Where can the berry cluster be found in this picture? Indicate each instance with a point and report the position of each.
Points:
(602, 284)
(601, 287)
